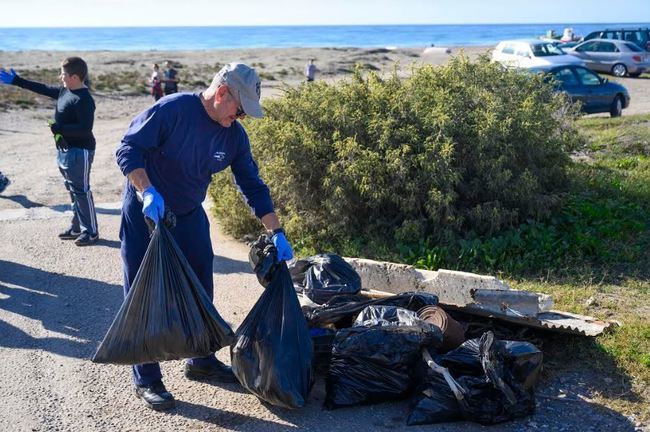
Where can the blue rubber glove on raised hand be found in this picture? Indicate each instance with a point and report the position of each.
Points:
(7, 77)
(153, 204)
(283, 247)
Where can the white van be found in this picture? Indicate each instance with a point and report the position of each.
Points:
(527, 53)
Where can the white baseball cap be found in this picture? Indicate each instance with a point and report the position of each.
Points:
(246, 83)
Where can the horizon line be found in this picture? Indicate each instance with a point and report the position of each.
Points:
(319, 25)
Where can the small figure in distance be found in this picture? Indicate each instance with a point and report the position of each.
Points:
(170, 79)
(156, 82)
(310, 70)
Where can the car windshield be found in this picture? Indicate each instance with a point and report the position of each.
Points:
(545, 50)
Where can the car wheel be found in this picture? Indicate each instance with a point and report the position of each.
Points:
(635, 75)
(617, 107)
(619, 70)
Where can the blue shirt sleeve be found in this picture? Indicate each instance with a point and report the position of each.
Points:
(146, 132)
(248, 181)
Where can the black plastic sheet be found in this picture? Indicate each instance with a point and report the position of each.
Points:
(272, 353)
(374, 363)
(497, 379)
(324, 276)
(341, 311)
(166, 315)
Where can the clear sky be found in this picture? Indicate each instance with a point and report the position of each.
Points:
(91, 13)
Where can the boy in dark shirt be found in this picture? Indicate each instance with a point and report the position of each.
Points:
(72, 128)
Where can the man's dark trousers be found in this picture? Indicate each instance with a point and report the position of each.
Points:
(192, 233)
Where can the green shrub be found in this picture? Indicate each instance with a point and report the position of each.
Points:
(463, 149)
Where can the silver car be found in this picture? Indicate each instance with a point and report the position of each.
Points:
(620, 58)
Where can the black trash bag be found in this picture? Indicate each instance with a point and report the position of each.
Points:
(497, 383)
(387, 316)
(522, 361)
(322, 340)
(434, 401)
(167, 314)
(272, 352)
(464, 360)
(323, 276)
(374, 363)
(262, 258)
(340, 311)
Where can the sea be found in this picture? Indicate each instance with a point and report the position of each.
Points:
(198, 38)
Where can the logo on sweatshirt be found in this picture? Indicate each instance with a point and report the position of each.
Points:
(220, 156)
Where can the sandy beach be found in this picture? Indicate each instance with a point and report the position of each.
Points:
(58, 300)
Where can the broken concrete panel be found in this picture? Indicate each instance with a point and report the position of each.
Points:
(455, 287)
(451, 287)
(511, 302)
(387, 276)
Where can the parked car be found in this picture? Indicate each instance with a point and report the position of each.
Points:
(638, 36)
(596, 94)
(617, 57)
(527, 53)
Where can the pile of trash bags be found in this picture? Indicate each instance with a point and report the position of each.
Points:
(389, 348)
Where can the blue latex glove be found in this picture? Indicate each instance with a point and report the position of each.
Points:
(153, 204)
(7, 77)
(282, 245)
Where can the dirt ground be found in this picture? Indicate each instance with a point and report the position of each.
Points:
(58, 300)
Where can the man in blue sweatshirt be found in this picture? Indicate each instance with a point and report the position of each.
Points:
(72, 128)
(168, 155)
